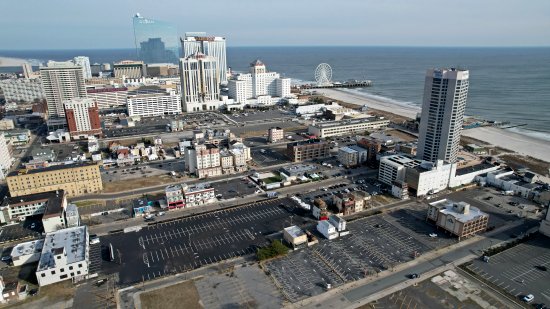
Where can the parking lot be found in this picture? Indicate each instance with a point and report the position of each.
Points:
(187, 243)
(269, 156)
(374, 244)
(234, 188)
(154, 168)
(252, 116)
(23, 230)
(520, 270)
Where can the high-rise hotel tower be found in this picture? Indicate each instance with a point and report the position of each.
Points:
(445, 94)
(209, 45)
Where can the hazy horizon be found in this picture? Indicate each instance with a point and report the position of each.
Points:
(55, 25)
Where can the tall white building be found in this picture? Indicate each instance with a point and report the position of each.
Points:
(27, 70)
(5, 156)
(84, 62)
(258, 86)
(22, 89)
(213, 46)
(61, 81)
(200, 87)
(445, 94)
(153, 103)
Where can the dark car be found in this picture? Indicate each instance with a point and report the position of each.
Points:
(542, 267)
(33, 292)
(414, 276)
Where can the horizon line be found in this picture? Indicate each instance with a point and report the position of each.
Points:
(332, 46)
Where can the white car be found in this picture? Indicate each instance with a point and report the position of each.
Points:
(433, 235)
(528, 298)
(160, 213)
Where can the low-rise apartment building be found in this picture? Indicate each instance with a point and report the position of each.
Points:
(198, 194)
(347, 127)
(65, 255)
(76, 179)
(307, 150)
(352, 155)
(174, 197)
(458, 218)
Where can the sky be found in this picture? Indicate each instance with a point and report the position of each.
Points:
(63, 24)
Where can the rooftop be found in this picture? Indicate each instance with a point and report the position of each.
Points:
(73, 242)
(307, 142)
(49, 169)
(402, 160)
(27, 248)
(474, 168)
(54, 201)
(332, 124)
(461, 211)
(294, 231)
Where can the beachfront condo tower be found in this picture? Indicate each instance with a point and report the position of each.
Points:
(61, 81)
(209, 45)
(156, 41)
(445, 94)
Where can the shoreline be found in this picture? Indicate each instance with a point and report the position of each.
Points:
(11, 62)
(522, 144)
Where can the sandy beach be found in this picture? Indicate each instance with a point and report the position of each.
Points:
(522, 144)
(11, 62)
(358, 99)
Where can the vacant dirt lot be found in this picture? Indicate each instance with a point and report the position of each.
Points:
(180, 295)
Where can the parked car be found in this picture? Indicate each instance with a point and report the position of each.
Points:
(528, 298)
(433, 235)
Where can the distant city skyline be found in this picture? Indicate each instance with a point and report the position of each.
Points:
(305, 23)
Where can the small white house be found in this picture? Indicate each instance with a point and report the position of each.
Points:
(328, 230)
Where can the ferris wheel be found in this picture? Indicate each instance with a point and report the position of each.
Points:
(323, 74)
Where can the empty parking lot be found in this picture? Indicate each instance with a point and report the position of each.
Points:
(192, 242)
(519, 270)
(374, 244)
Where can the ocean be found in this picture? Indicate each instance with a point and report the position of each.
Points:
(506, 84)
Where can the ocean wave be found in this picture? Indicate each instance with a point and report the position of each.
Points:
(535, 134)
(380, 98)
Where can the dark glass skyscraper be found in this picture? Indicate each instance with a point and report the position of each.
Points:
(156, 41)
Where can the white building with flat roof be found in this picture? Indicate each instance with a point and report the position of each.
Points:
(153, 103)
(6, 159)
(394, 168)
(65, 255)
(108, 97)
(27, 252)
(347, 127)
